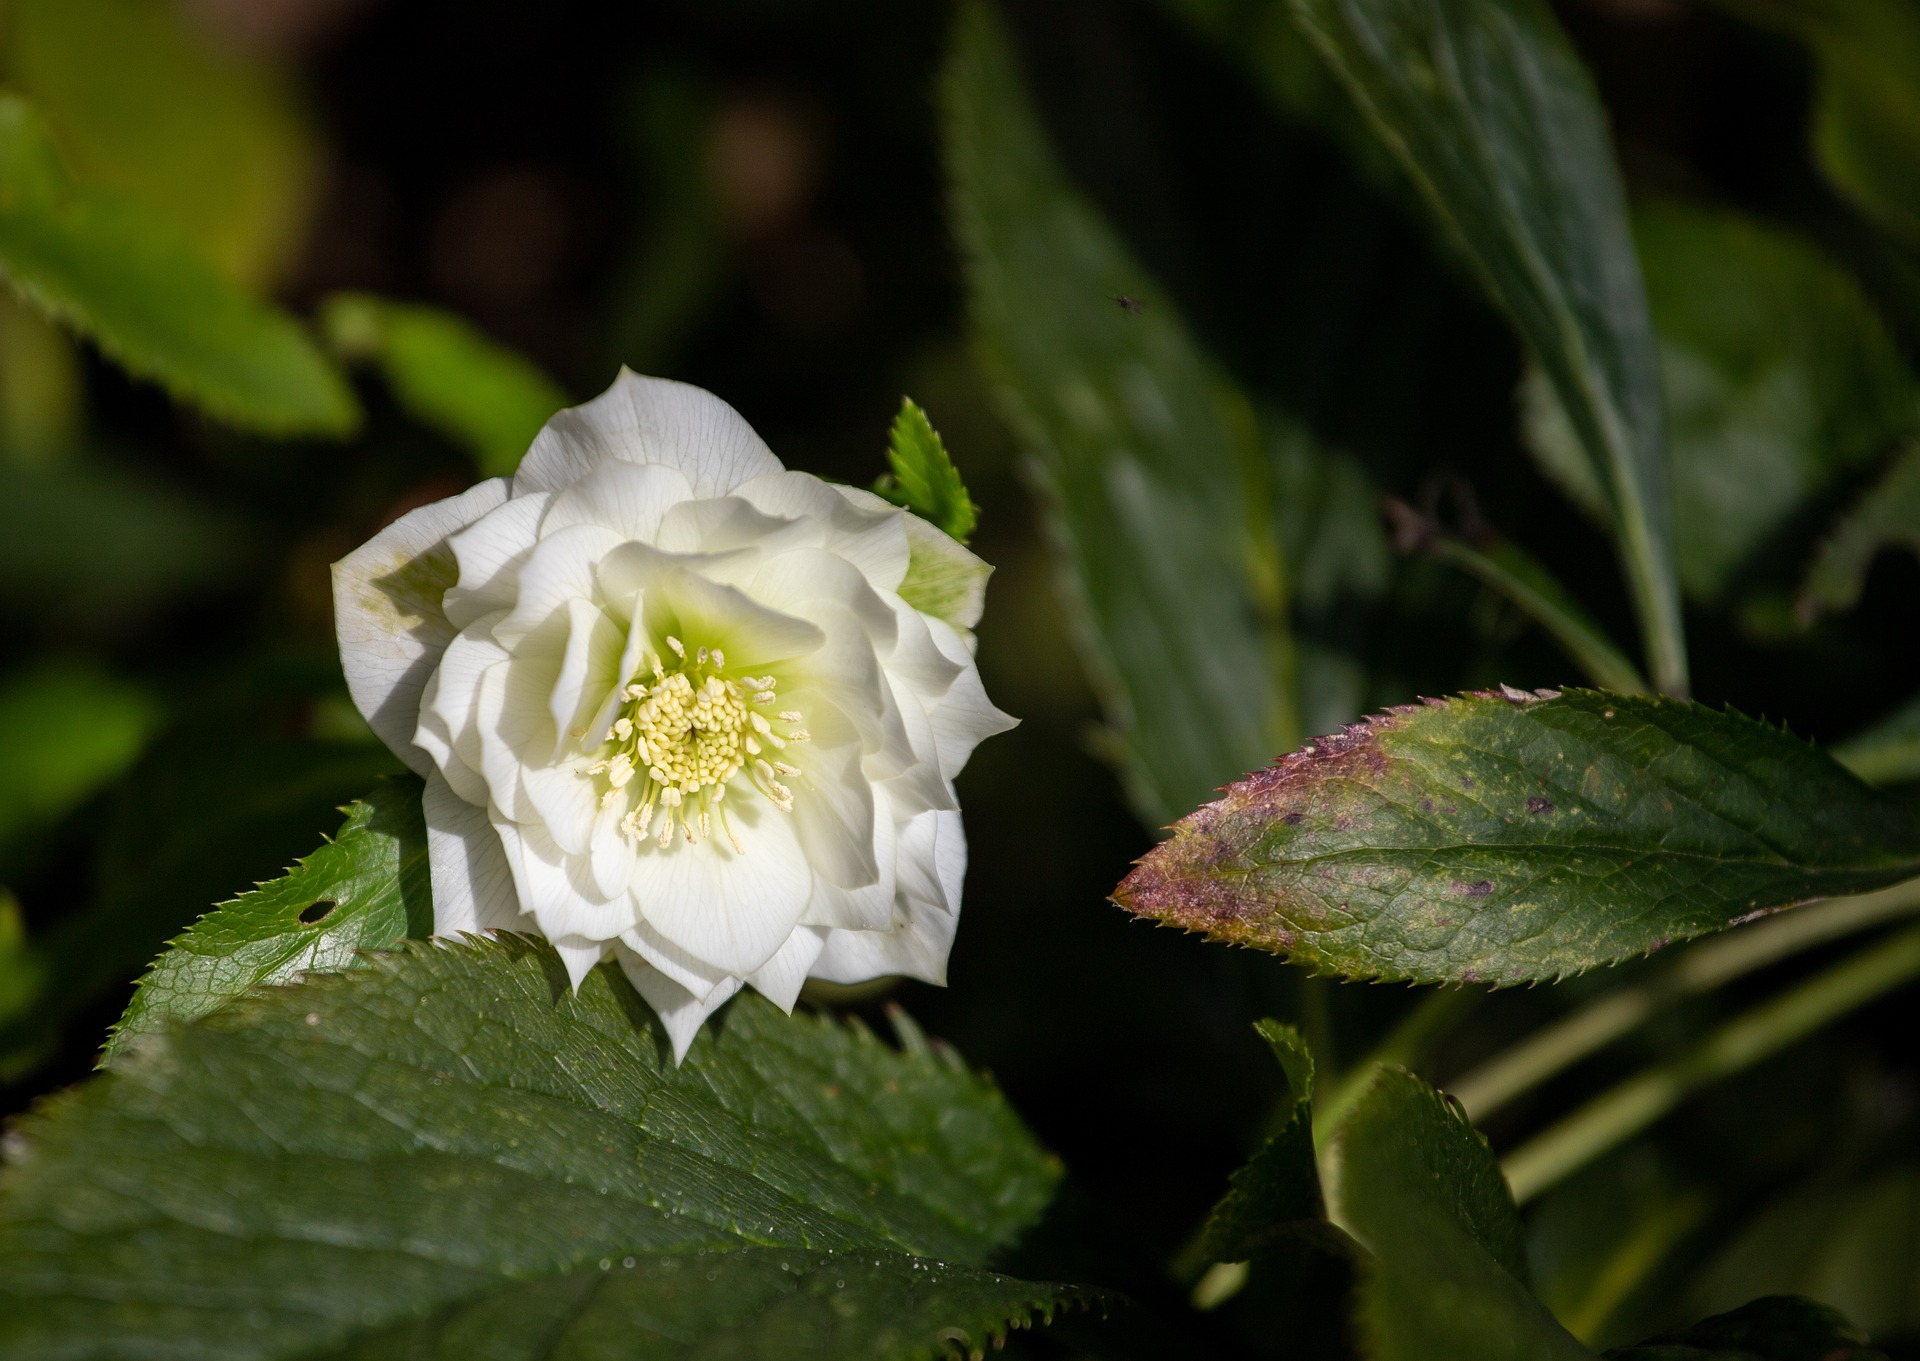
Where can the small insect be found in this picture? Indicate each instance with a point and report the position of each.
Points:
(1131, 305)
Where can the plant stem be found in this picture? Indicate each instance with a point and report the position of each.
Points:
(1405, 1045)
(1616, 1116)
(1521, 578)
(1700, 969)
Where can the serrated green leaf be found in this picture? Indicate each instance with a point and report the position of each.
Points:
(448, 376)
(924, 479)
(1888, 516)
(1778, 1328)
(153, 110)
(752, 1303)
(1506, 838)
(1278, 1191)
(67, 729)
(1419, 1188)
(405, 1144)
(367, 889)
(149, 300)
(1139, 445)
(1490, 112)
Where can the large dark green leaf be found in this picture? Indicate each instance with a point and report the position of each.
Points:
(1505, 838)
(150, 301)
(1488, 109)
(430, 1151)
(1134, 437)
(365, 890)
(1420, 1189)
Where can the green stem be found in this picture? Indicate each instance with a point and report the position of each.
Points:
(1699, 969)
(1405, 1045)
(1612, 1118)
(1522, 579)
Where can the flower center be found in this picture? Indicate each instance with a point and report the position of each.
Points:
(681, 738)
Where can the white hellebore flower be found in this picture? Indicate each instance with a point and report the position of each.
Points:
(678, 705)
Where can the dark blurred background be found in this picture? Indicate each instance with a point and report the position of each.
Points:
(748, 196)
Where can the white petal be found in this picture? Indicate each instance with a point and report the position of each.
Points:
(869, 533)
(795, 582)
(680, 1012)
(449, 710)
(579, 956)
(943, 581)
(556, 889)
(490, 551)
(511, 720)
(676, 598)
(561, 568)
(472, 886)
(779, 979)
(869, 907)
(588, 672)
(648, 420)
(964, 717)
(833, 815)
(917, 948)
(950, 854)
(727, 909)
(696, 977)
(628, 498)
(916, 658)
(721, 524)
(389, 613)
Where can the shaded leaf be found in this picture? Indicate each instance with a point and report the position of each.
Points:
(1779, 1328)
(67, 729)
(1490, 112)
(450, 1138)
(1866, 108)
(1278, 1191)
(1888, 516)
(448, 376)
(1138, 445)
(148, 299)
(1505, 838)
(1419, 1188)
(924, 479)
(94, 542)
(195, 135)
(365, 890)
(1889, 751)
(1850, 1238)
(1781, 379)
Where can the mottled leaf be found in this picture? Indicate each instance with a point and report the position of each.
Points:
(418, 1155)
(1507, 838)
(1135, 440)
(448, 376)
(1419, 1188)
(1888, 516)
(1778, 1328)
(365, 890)
(923, 478)
(1278, 1191)
(150, 301)
(1490, 112)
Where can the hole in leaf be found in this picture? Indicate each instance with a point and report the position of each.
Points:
(317, 911)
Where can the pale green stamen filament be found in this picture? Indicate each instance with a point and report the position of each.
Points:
(679, 740)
